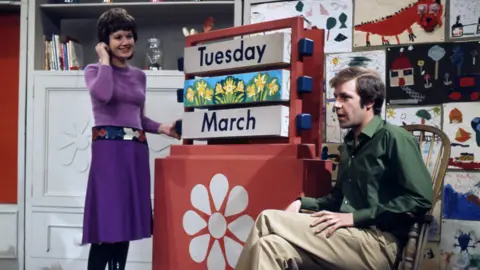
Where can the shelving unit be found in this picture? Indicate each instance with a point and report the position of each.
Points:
(164, 20)
(57, 103)
(7, 7)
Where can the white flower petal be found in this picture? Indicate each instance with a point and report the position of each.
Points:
(198, 247)
(200, 200)
(241, 227)
(218, 189)
(193, 222)
(81, 163)
(215, 260)
(232, 251)
(237, 201)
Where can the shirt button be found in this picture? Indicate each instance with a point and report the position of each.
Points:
(349, 180)
(346, 202)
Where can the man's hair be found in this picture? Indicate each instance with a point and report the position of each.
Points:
(113, 20)
(369, 85)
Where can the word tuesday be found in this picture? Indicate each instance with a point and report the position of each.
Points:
(249, 53)
(228, 123)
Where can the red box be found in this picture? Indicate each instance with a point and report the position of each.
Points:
(207, 198)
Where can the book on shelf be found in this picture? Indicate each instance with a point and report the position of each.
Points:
(62, 53)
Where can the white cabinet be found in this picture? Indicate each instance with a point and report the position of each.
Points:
(59, 137)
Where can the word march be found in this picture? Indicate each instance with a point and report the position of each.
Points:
(237, 55)
(228, 123)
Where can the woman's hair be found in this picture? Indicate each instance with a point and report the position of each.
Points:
(113, 20)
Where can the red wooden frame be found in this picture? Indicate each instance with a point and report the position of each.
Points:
(297, 103)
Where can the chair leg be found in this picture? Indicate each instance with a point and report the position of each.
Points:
(411, 247)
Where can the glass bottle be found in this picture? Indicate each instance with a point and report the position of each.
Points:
(153, 54)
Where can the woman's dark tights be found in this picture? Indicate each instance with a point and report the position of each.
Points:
(113, 254)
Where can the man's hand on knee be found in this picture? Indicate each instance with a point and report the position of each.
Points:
(331, 221)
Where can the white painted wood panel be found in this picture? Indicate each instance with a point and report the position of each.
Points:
(59, 134)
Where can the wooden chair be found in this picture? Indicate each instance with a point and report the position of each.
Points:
(436, 154)
(435, 147)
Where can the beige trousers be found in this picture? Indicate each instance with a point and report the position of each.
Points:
(284, 240)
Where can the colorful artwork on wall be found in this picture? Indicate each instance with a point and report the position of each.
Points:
(265, 86)
(462, 125)
(431, 74)
(460, 244)
(464, 18)
(335, 16)
(461, 196)
(374, 60)
(425, 115)
(398, 22)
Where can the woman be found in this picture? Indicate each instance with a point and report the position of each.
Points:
(117, 205)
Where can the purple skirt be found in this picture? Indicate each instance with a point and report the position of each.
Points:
(117, 204)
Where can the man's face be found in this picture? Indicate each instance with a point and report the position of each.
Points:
(347, 106)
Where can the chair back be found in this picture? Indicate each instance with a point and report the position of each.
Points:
(435, 147)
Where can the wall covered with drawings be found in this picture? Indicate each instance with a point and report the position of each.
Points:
(433, 73)
(333, 15)
(464, 19)
(387, 22)
(430, 63)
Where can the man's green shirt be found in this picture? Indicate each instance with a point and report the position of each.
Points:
(379, 180)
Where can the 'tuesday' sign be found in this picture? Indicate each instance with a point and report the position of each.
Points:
(244, 122)
(238, 54)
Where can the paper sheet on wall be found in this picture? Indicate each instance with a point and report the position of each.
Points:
(374, 60)
(403, 23)
(464, 18)
(461, 123)
(335, 16)
(425, 115)
(461, 196)
(460, 244)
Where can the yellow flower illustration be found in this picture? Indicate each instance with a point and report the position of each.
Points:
(260, 82)
(273, 87)
(219, 89)
(240, 87)
(201, 87)
(251, 90)
(390, 113)
(229, 86)
(190, 94)
(208, 94)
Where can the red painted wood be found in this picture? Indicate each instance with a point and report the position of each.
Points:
(9, 70)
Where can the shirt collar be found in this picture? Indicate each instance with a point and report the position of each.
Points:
(369, 130)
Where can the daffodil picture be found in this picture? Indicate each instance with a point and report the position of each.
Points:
(272, 85)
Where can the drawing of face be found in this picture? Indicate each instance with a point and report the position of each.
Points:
(430, 15)
(347, 106)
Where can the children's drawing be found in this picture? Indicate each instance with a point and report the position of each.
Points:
(464, 18)
(331, 151)
(398, 22)
(462, 125)
(429, 74)
(374, 60)
(459, 244)
(412, 115)
(461, 196)
(335, 16)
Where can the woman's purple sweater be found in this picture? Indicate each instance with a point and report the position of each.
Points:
(118, 96)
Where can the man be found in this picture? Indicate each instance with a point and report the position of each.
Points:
(363, 223)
